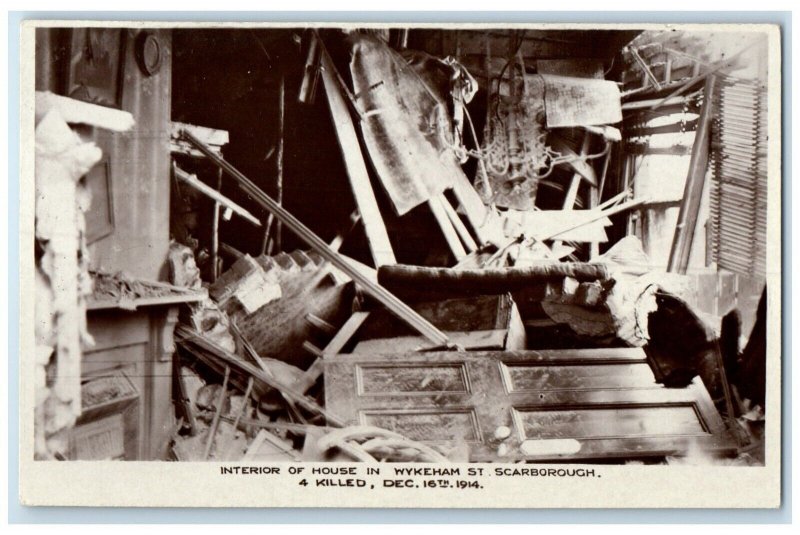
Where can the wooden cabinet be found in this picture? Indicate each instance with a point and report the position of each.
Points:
(531, 405)
(138, 346)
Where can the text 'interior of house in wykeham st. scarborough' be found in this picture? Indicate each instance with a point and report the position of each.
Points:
(433, 245)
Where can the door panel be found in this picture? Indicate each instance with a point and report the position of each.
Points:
(427, 425)
(399, 379)
(559, 405)
(624, 422)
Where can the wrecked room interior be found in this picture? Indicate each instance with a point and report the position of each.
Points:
(397, 244)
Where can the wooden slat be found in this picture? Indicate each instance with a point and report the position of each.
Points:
(449, 232)
(485, 223)
(345, 333)
(463, 233)
(474, 340)
(336, 344)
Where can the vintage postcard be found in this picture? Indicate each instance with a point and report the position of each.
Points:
(388, 265)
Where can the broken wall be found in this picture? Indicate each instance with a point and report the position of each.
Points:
(138, 161)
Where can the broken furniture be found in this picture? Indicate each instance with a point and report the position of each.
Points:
(241, 371)
(132, 324)
(527, 285)
(107, 428)
(482, 322)
(397, 307)
(281, 304)
(527, 405)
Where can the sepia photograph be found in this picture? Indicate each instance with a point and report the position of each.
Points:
(550, 249)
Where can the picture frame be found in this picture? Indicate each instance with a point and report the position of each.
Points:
(100, 216)
(95, 66)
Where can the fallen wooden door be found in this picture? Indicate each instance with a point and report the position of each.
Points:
(531, 405)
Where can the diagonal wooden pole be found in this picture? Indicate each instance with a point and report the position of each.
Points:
(374, 290)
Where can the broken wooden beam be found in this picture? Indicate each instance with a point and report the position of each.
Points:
(595, 215)
(377, 237)
(223, 395)
(436, 205)
(268, 242)
(187, 335)
(308, 87)
(215, 266)
(214, 195)
(461, 229)
(695, 182)
(213, 137)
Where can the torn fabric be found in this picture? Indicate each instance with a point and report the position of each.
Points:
(62, 278)
(405, 124)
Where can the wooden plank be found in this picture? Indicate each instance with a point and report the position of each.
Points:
(193, 297)
(672, 128)
(214, 194)
(693, 191)
(461, 229)
(645, 149)
(211, 136)
(310, 376)
(344, 335)
(377, 237)
(541, 223)
(215, 267)
(335, 346)
(572, 192)
(578, 165)
(487, 226)
(575, 182)
(594, 199)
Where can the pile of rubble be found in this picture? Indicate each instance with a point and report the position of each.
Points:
(514, 350)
